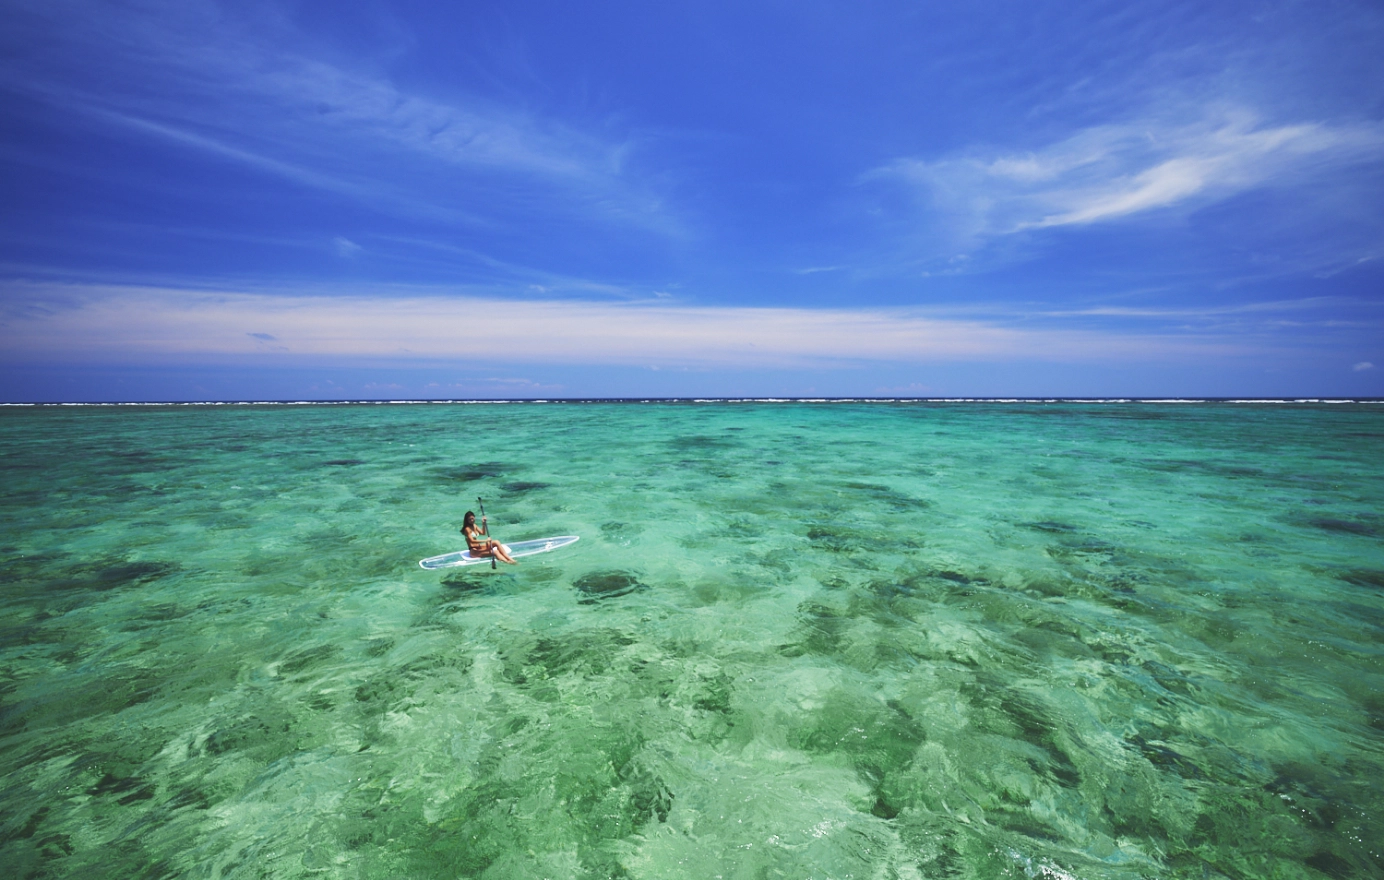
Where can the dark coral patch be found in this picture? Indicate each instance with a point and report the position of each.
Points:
(600, 585)
(480, 471)
(1364, 577)
(1050, 526)
(524, 486)
(1344, 526)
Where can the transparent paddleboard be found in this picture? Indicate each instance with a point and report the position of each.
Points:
(516, 549)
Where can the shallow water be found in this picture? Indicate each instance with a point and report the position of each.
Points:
(795, 640)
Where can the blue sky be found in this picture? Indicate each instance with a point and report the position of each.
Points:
(529, 199)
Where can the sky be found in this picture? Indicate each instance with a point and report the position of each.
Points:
(274, 200)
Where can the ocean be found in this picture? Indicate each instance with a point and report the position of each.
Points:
(864, 639)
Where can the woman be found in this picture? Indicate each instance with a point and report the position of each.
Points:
(480, 543)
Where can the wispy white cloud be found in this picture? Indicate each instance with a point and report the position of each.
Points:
(1114, 172)
(539, 281)
(184, 73)
(345, 248)
(131, 325)
(1320, 303)
(1255, 318)
(480, 134)
(326, 176)
(278, 167)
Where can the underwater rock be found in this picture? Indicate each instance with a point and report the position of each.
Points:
(607, 585)
(308, 658)
(1049, 526)
(524, 486)
(697, 442)
(1364, 577)
(465, 582)
(893, 499)
(479, 471)
(1345, 526)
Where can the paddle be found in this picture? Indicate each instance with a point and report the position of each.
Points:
(485, 530)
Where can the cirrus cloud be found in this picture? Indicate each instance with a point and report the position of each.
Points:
(1112, 172)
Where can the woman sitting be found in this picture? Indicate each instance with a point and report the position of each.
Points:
(480, 542)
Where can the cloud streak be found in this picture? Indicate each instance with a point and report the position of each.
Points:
(135, 325)
(184, 74)
(1110, 173)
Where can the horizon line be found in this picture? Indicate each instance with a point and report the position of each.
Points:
(698, 400)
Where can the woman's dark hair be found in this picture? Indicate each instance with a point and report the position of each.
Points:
(469, 520)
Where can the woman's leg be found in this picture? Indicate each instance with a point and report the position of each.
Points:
(502, 552)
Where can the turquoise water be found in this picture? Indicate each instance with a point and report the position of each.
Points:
(795, 640)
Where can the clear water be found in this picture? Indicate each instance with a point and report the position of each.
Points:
(795, 640)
